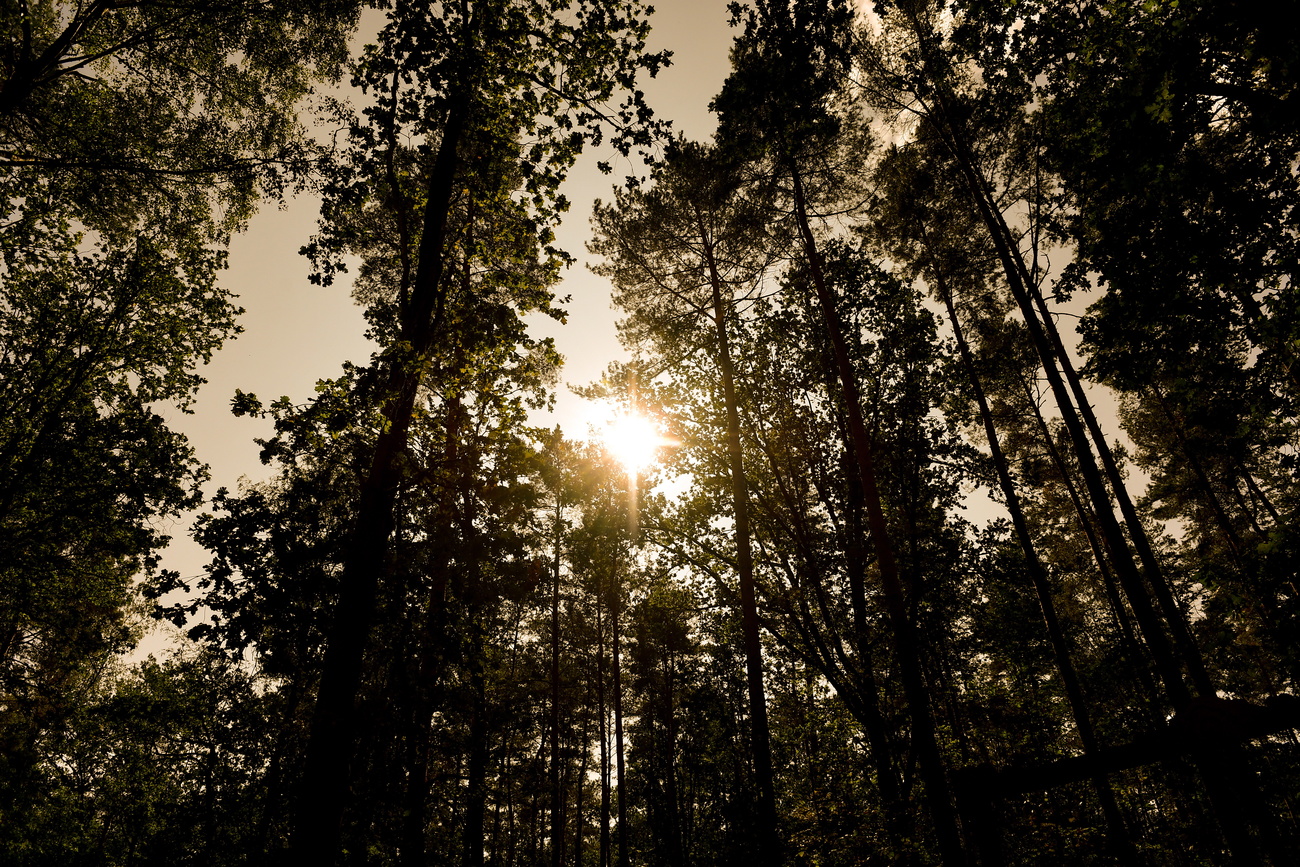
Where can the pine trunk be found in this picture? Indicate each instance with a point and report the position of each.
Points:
(1120, 842)
(760, 735)
(937, 792)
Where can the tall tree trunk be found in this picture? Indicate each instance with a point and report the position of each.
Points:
(476, 790)
(1118, 835)
(1169, 607)
(615, 612)
(557, 798)
(323, 795)
(1102, 557)
(866, 710)
(579, 818)
(1130, 579)
(604, 738)
(937, 791)
(676, 857)
(1220, 779)
(760, 736)
(417, 781)
(512, 852)
(429, 654)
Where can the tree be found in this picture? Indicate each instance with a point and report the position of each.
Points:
(157, 764)
(882, 606)
(679, 255)
(121, 113)
(927, 242)
(812, 507)
(1198, 305)
(133, 140)
(979, 126)
(467, 82)
(790, 63)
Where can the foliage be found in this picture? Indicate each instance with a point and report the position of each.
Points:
(134, 138)
(889, 502)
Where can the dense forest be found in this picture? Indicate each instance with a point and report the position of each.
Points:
(967, 530)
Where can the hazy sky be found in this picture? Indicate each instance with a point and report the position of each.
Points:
(296, 333)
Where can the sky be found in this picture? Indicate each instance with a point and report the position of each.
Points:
(295, 333)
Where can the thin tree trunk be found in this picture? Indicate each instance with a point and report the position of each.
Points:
(417, 782)
(1169, 607)
(557, 801)
(760, 735)
(579, 818)
(512, 851)
(1257, 493)
(476, 791)
(604, 740)
(676, 857)
(937, 790)
(1118, 835)
(1101, 555)
(897, 821)
(623, 854)
(429, 651)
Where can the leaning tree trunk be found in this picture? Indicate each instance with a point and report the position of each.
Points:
(1119, 838)
(1102, 556)
(770, 841)
(323, 794)
(1225, 781)
(937, 792)
(1130, 579)
(1169, 607)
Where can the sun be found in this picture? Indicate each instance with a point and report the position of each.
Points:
(633, 439)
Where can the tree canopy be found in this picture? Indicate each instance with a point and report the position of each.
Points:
(966, 347)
